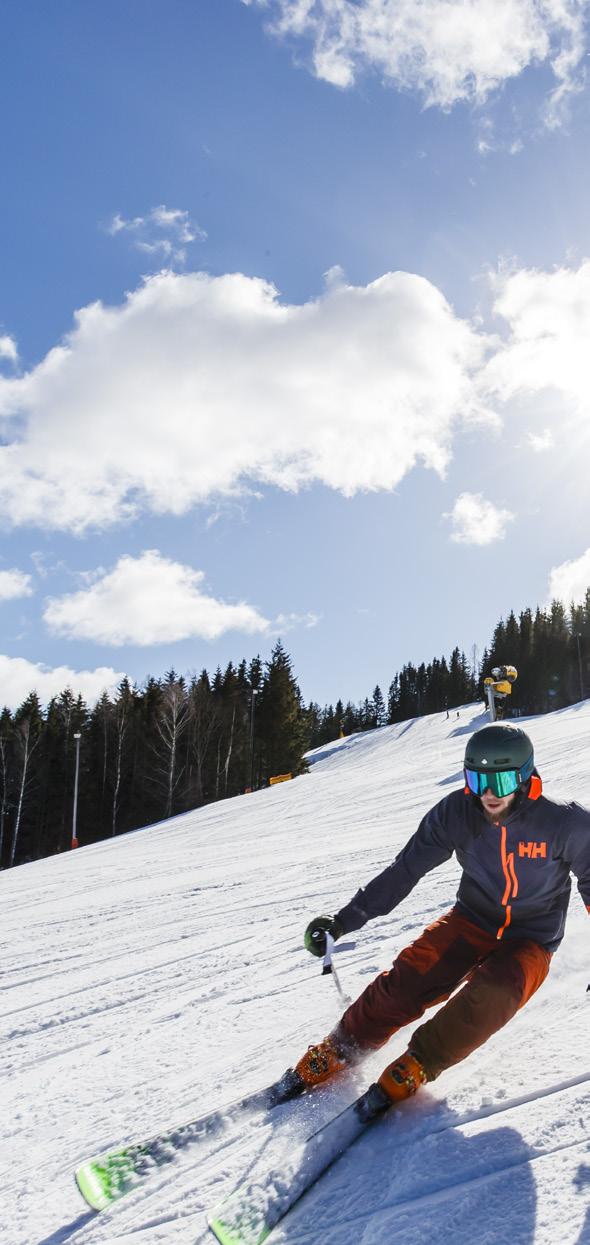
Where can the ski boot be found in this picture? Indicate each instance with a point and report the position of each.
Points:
(322, 1062)
(402, 1077)
(319, 1064)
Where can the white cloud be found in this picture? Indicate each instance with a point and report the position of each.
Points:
(198, 386)
(148, 600)
(548, 314)
(542, 441)
(291, 622)
(19, 677)
(569, 16)
(477, 521)
(163, 248)
(8, 348)
(570, 581)
(178, 221)
(447, 50)
(163, 231)
(14, 584)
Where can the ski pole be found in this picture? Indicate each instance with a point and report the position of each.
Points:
(328, 969)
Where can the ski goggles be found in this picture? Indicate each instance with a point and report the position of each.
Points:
(500, 782)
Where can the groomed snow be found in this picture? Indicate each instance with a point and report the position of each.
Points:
(147, 980)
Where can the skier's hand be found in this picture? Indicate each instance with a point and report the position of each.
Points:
(314, 939)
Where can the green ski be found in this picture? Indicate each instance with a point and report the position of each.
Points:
(107, 1177)
(250, 1213)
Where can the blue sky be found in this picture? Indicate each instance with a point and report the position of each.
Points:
(293, 333)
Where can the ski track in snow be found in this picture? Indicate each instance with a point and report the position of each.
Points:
(151, 979)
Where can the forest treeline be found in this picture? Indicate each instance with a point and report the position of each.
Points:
(551, 652)
(146, 754)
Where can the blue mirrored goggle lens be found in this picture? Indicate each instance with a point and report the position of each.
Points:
(500, 783)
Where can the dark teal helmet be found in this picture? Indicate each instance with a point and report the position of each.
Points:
(498, 757)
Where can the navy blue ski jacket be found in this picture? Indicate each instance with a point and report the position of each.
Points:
(516, 879)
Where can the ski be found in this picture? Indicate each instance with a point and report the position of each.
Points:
(256, 1205)
(107, 1177)
(248, 1215)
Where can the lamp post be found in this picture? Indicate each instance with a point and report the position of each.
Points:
(77, 737)
(252, 703)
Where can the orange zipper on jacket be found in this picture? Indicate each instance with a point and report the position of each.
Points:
(511, 888)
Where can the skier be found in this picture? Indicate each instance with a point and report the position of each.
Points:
(516, 848)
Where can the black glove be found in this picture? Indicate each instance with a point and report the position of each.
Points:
(314, 939)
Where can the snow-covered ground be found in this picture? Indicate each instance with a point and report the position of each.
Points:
(147, 980)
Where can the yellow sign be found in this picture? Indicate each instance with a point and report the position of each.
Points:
(279, 778)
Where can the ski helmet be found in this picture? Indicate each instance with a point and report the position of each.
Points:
(500, 757)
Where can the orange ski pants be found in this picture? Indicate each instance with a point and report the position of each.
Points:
(496, 979)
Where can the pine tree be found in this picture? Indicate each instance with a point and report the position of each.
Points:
(99, 743)
(379, 711)
(205, 723)
(283, 735)
(350, 720)
(393, 701)
(460, 683)
(65, 715)
(314, 720)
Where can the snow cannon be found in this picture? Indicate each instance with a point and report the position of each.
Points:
(498, 686)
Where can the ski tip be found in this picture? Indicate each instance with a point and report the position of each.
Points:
(222, 1233)
(230, 1234)
(91, 1187)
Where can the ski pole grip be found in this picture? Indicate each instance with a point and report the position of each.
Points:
(327, 964)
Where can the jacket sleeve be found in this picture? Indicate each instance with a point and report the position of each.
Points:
(430, 846)
(577, 851)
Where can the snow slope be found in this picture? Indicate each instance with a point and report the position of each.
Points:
(146, 980)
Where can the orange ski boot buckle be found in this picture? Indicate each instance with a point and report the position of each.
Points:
(320, 1063)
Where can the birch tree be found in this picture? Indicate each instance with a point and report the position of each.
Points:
(5, 735)
(172, 720)
(121, 717)
(27, 734)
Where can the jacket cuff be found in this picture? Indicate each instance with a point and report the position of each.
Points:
(350, 918)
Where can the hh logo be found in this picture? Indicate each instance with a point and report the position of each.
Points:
(533, 850)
